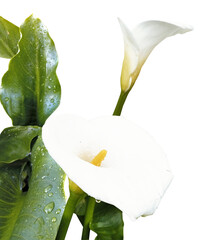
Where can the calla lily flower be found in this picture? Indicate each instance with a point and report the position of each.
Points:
(134, 174)
(139, 43)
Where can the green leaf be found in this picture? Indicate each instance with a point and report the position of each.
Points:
(107, 222)
(34, 214)
(30, 89)
(15, 142)
(9, 38)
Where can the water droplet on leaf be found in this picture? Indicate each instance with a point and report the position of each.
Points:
(48, 188)
(54, 219)
(40, 237)
(58, 211)
(49, 207)
(50, 194)
(39, 220)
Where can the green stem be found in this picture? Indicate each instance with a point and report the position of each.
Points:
(67, 215)
(88, 218)
(91, 201)
(120, 103)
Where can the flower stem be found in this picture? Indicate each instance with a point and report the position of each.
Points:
(120, 103)
(91, 200)
(67, 215)
(88, 218)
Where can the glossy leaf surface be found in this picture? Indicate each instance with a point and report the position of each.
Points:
(30, 89)
(9, 37)
(15, 142)
(107, 220)
(34, 214)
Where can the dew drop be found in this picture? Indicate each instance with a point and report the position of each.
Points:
(54, 219)
(49, 87)
(42, 154)
(41, 237)
(43, 177)
(6, 99)
(58, 211)
(52, 100)
(98, 201)
(39, 220)
(50, 194)
(49, 207)
(48, 188)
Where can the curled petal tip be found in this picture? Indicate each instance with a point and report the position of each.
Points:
(121, 22)
(184, 27)
(188, 28)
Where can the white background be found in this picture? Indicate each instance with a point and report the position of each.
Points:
(170, 98)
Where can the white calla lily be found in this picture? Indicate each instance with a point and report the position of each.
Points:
(134, 174)
(139, 43)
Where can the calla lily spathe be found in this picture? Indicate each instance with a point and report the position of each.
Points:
(134, 174)
(139, 43)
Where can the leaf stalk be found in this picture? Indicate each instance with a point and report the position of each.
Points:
(88, 218)
(67, 215)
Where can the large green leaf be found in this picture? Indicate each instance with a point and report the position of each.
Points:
(107, 220)
(15, 142)
(30, 89)
(9, 37)
(34, 214)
